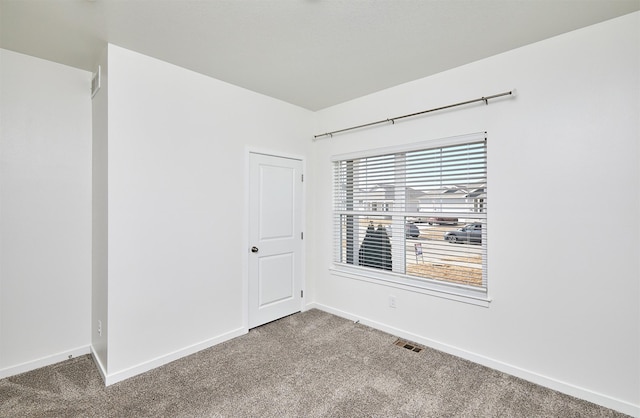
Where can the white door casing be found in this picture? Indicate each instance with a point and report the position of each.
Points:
(275, 238)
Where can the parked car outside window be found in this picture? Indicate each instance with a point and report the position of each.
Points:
(411, 230)
(469, 234)
(439, 220)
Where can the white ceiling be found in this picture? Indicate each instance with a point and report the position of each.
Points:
(312, 53)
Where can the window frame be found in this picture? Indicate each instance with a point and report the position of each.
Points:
(464, 293)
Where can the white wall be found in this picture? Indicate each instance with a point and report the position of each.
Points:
(45, 212)
(563, 212)
(177, 145)
(99, 206)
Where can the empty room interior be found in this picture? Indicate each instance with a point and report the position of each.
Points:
(462, 175)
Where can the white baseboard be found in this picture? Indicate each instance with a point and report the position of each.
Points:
(43, 361)
(560, 386)
(111, 378)
(99, 365)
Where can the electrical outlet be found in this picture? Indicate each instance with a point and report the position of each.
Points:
(99, 328)
(392, 301)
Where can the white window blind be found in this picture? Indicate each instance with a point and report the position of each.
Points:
(416, 214)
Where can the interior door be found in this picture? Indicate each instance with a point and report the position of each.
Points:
(275, 238)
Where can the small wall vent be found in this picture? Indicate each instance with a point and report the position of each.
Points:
(95, 82)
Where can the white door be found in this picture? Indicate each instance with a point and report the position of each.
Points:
(275, 238)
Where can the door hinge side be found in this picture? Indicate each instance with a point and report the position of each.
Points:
(302, 293)
(302, 178)
(301, 235)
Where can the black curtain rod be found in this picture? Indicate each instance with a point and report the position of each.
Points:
(393, 120)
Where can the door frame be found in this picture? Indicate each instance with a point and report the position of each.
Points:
(246, 242)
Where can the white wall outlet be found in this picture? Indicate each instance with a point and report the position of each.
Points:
(392, 301)
(99, 328)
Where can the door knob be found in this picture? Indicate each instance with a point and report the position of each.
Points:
(254, 249)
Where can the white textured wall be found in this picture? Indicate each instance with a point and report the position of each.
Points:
(45, 212)
(100, 202)
(176, 174)
(563, 217)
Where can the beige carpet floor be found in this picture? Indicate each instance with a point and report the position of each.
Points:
(310, 364)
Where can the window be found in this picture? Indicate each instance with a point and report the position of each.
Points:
(415, 215)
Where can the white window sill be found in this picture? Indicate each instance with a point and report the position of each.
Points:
(459, 293)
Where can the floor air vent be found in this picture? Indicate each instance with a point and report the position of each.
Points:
(408, 345)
